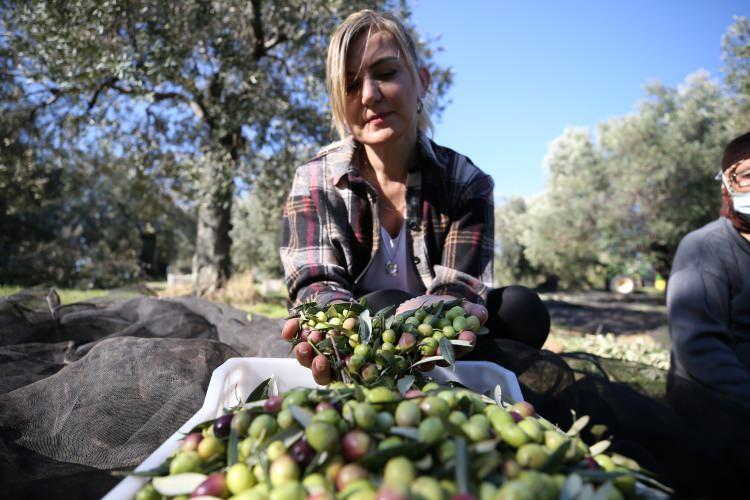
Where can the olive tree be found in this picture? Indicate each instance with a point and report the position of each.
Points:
(221, 87)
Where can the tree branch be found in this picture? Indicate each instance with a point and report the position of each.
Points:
(260, 44)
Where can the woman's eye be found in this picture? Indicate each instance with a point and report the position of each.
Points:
(387, 75)
(352, 87)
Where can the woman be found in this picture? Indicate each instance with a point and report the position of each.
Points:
(708, 305)
(386, 213)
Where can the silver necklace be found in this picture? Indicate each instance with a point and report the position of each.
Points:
(391, 254)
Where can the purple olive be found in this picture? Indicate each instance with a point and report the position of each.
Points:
(524, 408)
(516, 416)
(315, 337)
(369, 373)
(302, 452)
(387, 492)
(190, 443)
(324, 405)
(214, 486)
(304, 335)
(407, 342)
(348, 474)
(273, 404)
(355, 444)
(222, 425)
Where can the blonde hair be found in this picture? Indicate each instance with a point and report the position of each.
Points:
(368, 21)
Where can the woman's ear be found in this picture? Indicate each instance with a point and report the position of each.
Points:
(424, 77)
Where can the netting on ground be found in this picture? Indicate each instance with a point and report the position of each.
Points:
(94, 387)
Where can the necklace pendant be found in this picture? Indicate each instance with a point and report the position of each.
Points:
(391, 268)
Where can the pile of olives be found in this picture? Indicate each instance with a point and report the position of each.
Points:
(348, 441)
(379, 349)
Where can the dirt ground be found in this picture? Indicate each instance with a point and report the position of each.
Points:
(605, 312)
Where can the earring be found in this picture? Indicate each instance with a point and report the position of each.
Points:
(420, 106)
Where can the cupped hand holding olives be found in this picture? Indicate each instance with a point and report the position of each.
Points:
(346, 342)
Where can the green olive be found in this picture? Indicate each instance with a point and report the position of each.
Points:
(514, 435)
(285, 419)
(239, 478)
(365, 416)
(185, 461)
(363, 350)
(531, 427)
(531, 455)
(148, 492)
(425, 330)
(210, 446)
(434, 406)
(322, 436)
(389, 336)
(427, 488)
(459, 324)
(407, 414)
(431, 430)
(455, 312)
(399, 471)
(450, 332)
(457, 418)
(262, 426)
(472, 323)
(292, 490)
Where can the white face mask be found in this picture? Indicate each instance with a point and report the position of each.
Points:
(740, 201)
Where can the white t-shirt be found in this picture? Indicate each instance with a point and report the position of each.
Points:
(392, 267)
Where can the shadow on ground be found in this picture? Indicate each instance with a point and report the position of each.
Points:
(605, 312)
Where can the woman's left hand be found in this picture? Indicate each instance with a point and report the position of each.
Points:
(471, 308)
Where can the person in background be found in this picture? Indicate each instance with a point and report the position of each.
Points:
(385, 213)
(708, 308)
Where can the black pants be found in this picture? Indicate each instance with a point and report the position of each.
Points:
(515, 312)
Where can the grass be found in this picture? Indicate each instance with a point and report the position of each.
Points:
(67, 295)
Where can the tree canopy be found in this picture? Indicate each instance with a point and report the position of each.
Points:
(196, 99)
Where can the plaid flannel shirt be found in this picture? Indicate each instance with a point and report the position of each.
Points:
(331, 229)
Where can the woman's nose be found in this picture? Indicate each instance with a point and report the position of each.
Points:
(370, 91)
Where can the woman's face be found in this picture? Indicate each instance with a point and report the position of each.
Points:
(381, 98)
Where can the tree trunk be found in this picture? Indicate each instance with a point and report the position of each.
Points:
(212, 259)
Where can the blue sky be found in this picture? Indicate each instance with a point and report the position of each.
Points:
(526, 70)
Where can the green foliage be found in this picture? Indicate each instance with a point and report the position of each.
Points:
(625, 198)
(736, 57)
(511, 263)
(193, 98)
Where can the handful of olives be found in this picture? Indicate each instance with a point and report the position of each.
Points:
(435, 442)
(380, 349)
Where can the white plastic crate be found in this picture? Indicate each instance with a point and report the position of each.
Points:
(233, 381)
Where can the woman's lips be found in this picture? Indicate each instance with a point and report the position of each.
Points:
(378, 119)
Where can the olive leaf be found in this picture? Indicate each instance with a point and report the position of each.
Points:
(461, 343)
(405, 383)
(605, 491)
(599, 447)
(446, 350)
(232, 444)
(377, 459)
(365, 327)
(556, 458)
(482, 330)
(652, 482)
(427, 360)
(161, 470)
(301, 415)
(578, 426)
(437, 313)
(407, 432)
(260, 391)
(462, 465)
(497, 394)
(571, 487)
(319, 458)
